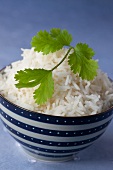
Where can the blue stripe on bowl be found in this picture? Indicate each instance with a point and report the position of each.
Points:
(54, 119)
(47, 155)
(46, 125)
(50, 132)
(51, 143)
(52, 158)
(50, 150)
(51, 138)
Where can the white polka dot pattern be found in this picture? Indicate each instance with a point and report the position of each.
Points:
(52, 138)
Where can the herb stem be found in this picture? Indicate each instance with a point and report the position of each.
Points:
(62, 59)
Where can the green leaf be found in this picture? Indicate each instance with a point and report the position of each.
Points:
(75, 62)
(89, 69)
(51, 42)
(84, 50)
(46, 89)
(80, 62)
(54, 32)
(31, 78)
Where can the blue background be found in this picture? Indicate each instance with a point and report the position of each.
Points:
(89, 21)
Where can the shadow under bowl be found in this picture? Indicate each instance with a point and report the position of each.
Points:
(52, 138)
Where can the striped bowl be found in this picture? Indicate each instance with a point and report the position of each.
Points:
(52, 138)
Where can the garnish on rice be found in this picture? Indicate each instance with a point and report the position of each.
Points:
(79, 59)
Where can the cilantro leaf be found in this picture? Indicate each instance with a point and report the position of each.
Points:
(80, 62)
(50, 42)
(45, 90)
(79, 59)
(31, 78)
(89, 69)
(84, 49)
(54, 32)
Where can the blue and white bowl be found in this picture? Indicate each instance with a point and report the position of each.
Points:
(52, 138)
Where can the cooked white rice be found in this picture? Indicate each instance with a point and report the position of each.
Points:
(72, 95)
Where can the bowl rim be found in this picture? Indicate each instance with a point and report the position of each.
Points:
(66, 117)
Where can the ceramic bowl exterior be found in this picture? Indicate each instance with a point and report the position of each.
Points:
(52, 138)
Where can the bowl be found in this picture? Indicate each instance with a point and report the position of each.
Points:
(52, 138)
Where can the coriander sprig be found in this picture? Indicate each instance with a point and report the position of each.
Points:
(79, 59)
